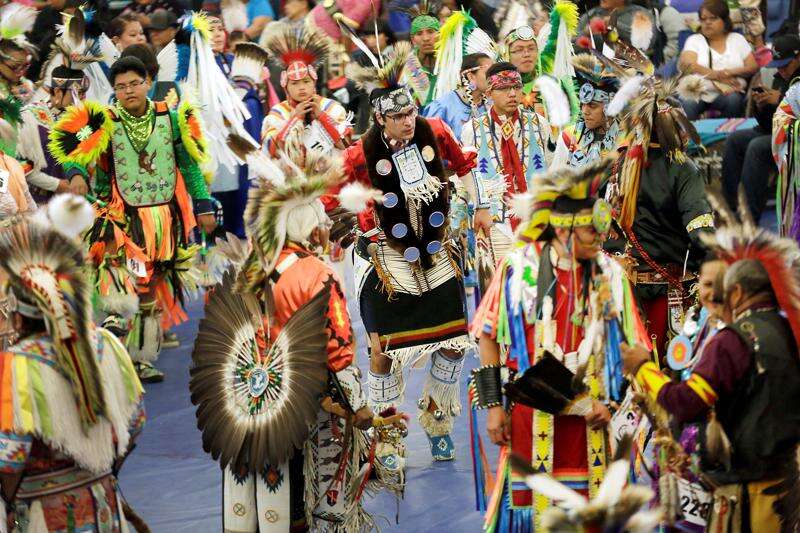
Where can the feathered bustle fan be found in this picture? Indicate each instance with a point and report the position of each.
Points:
(287, 44)
(418, 9)
(45, 269)
(255, 406)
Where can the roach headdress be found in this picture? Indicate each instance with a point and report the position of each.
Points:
(297, 51)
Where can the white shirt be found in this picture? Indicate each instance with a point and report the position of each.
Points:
(736, 51)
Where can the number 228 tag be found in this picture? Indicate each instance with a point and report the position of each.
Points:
(695, 502)
(4, 179)
(137, 268)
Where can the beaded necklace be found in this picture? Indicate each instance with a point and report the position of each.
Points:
(137, 128)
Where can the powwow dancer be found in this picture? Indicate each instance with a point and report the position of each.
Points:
(320, 123)
(595, 134)
(144, 160)
(272, 344)
(405, 264)
(785, 148)
(652, 182)
(512, 145)
(67, 81)
(556, 307)
(73, 399)
(424, 33)
(16, 53)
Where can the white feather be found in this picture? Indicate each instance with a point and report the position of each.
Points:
(522, 205)
(641, 31)
(70, 214)
(261, 165)
(355, 197)
(566, 497)
(168, 62)
(234, 15)
(364, 48)
(556, 102)
(108, 49)
(628, 90)
(16, 18)
(479, 42)
(610, 489)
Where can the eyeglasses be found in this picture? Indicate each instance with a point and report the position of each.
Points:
(123, 87)
(400, 117)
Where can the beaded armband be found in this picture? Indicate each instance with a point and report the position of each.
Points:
(488, 387)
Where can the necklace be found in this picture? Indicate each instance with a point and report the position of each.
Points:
(137, 128)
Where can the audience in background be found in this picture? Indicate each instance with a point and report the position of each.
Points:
(126, 30)
(723, 57)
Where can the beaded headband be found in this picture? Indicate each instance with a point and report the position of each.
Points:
(504, 80)
(396, 101)
(523, 33)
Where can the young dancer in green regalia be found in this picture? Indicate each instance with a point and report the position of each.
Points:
(144, 159)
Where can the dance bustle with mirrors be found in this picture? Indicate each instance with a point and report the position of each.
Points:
(274, 376)
(72, 401)
(406, 265)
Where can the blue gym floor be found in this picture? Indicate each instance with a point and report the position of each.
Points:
(176, 487)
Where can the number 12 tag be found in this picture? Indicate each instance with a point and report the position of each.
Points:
(137, 268)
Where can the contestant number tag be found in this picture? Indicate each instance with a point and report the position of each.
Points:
(137, 268)
(317, 138)
(695, 502)
(4, 179)
(410, 165)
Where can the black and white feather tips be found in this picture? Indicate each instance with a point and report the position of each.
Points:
(255, 408)
(248, 62)
(617, 506)
(386, 75)
(555, 100)
(287, 44)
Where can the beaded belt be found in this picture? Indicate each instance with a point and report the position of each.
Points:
(56, 482)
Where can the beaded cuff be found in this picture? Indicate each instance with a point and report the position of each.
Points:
(488, 387)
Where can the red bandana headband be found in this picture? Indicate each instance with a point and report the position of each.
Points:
(505, 80)
(297, 70)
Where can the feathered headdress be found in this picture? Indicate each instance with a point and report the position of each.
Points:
(653, 111)
(384, 80)
(535, 207)
(248, 62)
(596, 82)
(15, 21)
(46, 277)
(458, 36)
(423, 15)
(286, 210)
(222, 110)
(74, 59)
(297, 51)
(617, 506)
(739, 238)
(556, 56)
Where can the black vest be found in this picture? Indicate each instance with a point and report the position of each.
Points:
(762, 416)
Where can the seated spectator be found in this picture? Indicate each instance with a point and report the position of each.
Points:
(725, 59)
(162, 28)
(671, 23)
(259, 13)
(747, 157)
(295, 12)
(126, 30)
(143, 9)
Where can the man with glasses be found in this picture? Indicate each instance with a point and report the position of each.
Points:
(406, 267)
(512, 145)
(523, 53)
(144, 159)
(15, 58)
